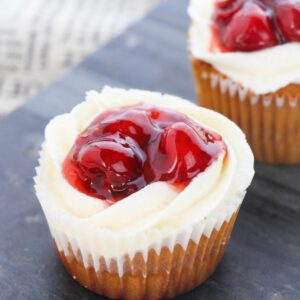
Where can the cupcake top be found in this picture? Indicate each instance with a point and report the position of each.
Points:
(125, 149)
(136, 163)
(254, 42)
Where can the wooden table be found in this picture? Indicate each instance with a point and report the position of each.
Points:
(263, 259)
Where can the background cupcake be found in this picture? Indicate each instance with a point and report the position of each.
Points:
(155, 242)
(246, 63)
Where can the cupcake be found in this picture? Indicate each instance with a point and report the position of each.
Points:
(141, 191)
(246, 63)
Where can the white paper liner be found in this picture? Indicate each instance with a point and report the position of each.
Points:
(93, 242)
(225, 85)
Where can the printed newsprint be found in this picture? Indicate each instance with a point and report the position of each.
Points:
(40, 39)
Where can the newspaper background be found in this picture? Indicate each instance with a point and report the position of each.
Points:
(40, 39)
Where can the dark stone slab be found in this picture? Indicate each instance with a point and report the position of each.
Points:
(263, 259)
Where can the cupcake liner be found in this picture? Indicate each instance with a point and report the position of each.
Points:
(163, 274)
(271, 122)
(179, 259)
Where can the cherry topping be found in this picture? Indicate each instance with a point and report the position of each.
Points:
(288, 18)
(224, 3)
(125, 149)
(249, 29)
(184, 145)
(111, 164)
(250, 25)
(228, 9)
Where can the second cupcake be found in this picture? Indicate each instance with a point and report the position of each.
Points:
(246, 63)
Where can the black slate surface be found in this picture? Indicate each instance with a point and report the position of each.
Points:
(263, 258)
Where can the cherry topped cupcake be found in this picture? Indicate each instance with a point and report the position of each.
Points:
(246, 63)
(141, 191)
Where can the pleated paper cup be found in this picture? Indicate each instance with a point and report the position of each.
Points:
(271, 122)
(162, 275)
(156, 264)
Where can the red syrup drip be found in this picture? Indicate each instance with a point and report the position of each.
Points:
(251, 25)
(125, 149)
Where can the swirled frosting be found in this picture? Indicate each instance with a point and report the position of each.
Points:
(158, 205)
(261, 71)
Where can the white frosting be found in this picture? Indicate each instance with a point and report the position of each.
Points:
(261, 72)
(155, 213)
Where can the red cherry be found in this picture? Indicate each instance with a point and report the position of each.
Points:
(109, 155)
(225, 3)
(250, 29)
(110, 166)
(288, 19)
(135, 123)
(227, 9)
(185, 158)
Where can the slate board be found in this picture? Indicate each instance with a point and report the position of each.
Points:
(263, 258)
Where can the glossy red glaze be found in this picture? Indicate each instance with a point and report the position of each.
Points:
(251, 25)
(288, 19)
(124, 149)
